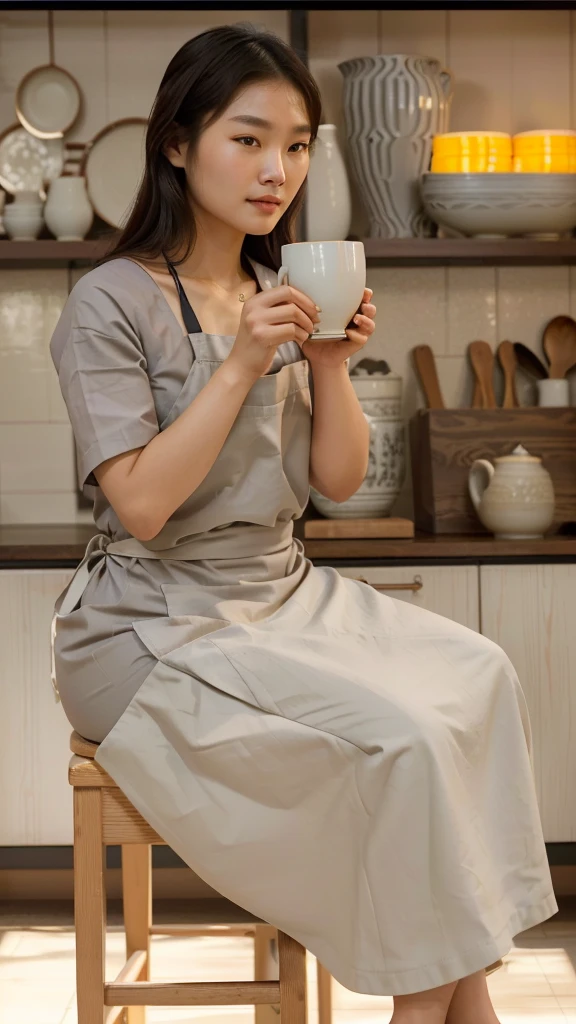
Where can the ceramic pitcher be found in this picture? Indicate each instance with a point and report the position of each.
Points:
(515, 499)
(394, 104)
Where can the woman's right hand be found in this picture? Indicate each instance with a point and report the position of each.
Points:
(269, 319)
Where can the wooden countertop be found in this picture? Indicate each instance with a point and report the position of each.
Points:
(64, 544)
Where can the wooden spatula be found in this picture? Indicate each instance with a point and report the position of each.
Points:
(426, 368)
(559, 343)
(482, 359)
(508, 362)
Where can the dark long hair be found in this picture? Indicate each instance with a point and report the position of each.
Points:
(199, 83)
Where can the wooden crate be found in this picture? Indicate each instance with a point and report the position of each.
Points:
(445, 442)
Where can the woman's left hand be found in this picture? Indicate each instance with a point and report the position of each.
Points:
(332, 353)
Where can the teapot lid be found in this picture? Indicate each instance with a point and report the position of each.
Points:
(519, 455)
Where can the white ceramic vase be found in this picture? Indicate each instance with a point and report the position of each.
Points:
(23, 218)
(394, 104)
(328, 204)
(68, 211)
(380, 396)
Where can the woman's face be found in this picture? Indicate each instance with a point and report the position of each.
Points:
(258, 147)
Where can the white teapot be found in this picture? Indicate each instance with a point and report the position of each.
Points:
(515, 500)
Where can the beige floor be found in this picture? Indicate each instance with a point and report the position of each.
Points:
(537, 984)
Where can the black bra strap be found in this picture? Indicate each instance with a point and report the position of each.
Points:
(188, 315)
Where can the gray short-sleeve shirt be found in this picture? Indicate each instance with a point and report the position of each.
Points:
(122, 359)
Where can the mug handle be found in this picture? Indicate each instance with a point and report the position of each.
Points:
(283, 276)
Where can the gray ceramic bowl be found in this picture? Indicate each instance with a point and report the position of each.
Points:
(502, 205)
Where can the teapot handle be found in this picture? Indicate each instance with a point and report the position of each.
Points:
(480, 475)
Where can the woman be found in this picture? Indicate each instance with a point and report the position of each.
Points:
(351, 769)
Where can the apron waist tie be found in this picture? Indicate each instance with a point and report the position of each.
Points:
(101, 545)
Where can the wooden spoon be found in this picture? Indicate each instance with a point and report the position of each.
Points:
(482, 359)
(559, 343)
(426, 367)
(477, 396)
(508, 362)
(529, 361)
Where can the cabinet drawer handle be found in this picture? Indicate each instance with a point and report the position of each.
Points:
(416, 585)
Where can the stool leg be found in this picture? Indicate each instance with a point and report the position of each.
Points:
(292, 961)
(324, 994)
(137, 900)
(89, 905)
(265, 969)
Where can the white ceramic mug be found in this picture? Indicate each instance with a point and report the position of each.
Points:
(333, 275)
(553, 391)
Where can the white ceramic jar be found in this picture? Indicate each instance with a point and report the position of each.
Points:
(328, 203)
(68, 210)
(553, 392)
(515, 500)
(380, 396)
(23, 218)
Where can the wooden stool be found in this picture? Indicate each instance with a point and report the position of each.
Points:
(103, 816)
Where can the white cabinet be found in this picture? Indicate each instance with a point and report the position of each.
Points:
(447, 590)
(526, 609)
(529, 610)
(35, 798)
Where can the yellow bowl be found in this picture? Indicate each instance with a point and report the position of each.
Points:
(450, 143)
(471, 152)
(545, 163)
(473, 164)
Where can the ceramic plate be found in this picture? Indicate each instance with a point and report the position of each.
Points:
(28, 163)
(113, 166)
(48, 102)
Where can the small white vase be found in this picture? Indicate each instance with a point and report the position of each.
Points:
(23, 223)
(328, 204)
(380, 396)
(68, 211)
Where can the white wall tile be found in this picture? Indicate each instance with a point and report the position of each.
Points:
(38, 507)
(480, 49)
(471, 298)
(541, 75)
(36, 457)
(30, 304)
(23, 46)
(527, 298)
(420, 32)
(24, 387)
(80, 47)
(138, 52)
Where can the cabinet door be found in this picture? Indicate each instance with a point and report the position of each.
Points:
(35, 797)
(451, 591)
(529, 611)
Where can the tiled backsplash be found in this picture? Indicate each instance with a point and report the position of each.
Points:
(443, 307)
(513, 70)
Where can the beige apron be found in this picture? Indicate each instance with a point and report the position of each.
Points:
(347, 767)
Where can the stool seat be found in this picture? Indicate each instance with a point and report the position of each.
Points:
(82, 747)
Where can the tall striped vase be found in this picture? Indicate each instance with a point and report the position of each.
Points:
(393, 105)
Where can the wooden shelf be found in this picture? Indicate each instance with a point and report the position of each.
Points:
(471, 251)
(48, 250)
(379, 252)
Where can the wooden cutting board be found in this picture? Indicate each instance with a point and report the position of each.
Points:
(358, 528)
